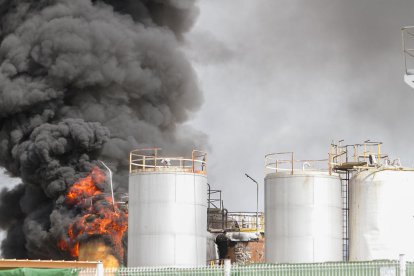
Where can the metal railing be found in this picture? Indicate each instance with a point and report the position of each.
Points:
(235, 222)
(407, 34)
(148, 160)
(121, 200)
(285, 162)
(216, 213)
(374, 268)
(214, 199)
(245, 221)
(359, 156)
(356, 152)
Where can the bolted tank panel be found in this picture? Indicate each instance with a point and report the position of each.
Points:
(381, 215)
(303, 213)
(167, 223)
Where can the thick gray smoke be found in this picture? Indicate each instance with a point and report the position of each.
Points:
(83, 80)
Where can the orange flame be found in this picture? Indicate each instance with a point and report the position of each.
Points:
(85, 187)
(100, 218)
(97, 250)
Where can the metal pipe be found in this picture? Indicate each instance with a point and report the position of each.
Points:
(257, 201)
(209, 195)
(379, 152)
(192, 157)
(208, 205)
(224, 214)
(130, 162)
(227, 267)
(402, 264)
(100, 269)
(110, 182)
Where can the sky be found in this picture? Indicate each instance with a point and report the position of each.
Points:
(293, 75)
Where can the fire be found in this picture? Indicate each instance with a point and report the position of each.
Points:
(97, 250)
(100, 218)
(85, 187)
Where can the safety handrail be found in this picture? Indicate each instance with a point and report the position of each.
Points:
(285, 162)
(245, 221)
(141, 160)
(362, 155)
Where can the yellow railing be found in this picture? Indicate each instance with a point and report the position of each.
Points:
(245, 221)
(355, 156)
(364, 155)
(148, 160)
(285, 162)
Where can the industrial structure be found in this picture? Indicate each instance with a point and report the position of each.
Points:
(379, 213)
(167, 224)
(356, 205)
(358, 199)
(303, 209)
(239, 236)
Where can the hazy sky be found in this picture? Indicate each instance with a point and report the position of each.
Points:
(292, 75)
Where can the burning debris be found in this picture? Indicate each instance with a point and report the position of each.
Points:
(82, 80)
(100, 218)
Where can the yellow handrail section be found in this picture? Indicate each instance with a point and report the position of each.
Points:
(149, 160)
(284, 162)
(245, 222)
(358, 156)
(366, 155)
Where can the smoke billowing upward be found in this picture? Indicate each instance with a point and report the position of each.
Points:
(83, 80)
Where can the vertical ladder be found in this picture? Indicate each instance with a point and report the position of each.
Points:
(345, 215)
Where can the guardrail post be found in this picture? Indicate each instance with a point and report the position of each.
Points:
(379, 152)
(192, 161)
(227, 267)
(403, 265)
(99, 269)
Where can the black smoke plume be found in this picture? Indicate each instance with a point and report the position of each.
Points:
(83, 80)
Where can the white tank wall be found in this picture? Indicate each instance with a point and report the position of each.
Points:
(167, 224)
(381, 215)
(303, 217)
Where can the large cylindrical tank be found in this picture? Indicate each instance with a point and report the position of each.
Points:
(167, 223)
(303, 217)
(381, 215)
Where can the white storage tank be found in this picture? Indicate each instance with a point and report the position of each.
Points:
(303, 213)
(167, 224)
(381, 214)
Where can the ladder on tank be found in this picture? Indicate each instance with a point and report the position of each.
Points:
(340, 158)
(345, 214)
(345, 174)
(345, 160)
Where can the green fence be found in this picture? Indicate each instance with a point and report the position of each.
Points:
(375, 268)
